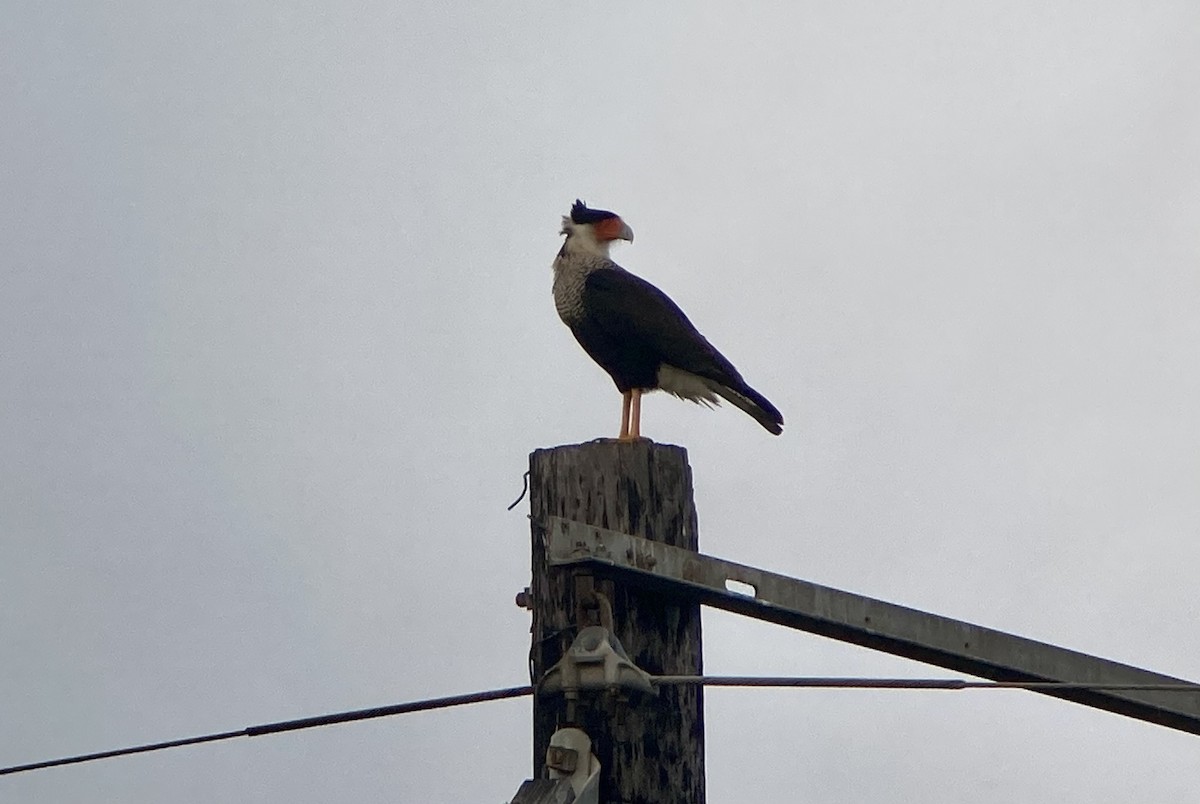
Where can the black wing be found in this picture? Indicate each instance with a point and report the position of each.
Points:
(631, 328)
(631, 310)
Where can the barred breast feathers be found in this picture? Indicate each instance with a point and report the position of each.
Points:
(570, 273)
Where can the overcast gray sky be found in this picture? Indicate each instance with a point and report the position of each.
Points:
(276, 338)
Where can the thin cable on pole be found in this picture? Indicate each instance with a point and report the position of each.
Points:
(286, 725)
(524, 489)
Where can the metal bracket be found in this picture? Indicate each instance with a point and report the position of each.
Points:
(871, 623)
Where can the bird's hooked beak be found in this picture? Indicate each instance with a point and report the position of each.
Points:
(613, 229)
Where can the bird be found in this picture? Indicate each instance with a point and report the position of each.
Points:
(636, 332)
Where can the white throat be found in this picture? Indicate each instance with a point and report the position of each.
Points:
(581, 240)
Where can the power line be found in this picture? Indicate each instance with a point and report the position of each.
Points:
(820, 682)
(286, 725)
(810, 682)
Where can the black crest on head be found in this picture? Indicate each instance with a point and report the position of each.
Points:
(581, 214)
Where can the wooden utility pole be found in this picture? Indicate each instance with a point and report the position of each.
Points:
(651, 748)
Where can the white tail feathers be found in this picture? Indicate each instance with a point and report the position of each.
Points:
(770, 419)
(705, 391)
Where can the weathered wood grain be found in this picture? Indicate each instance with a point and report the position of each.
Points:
(651, 748)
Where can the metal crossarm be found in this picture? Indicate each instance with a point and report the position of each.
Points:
(876, 624)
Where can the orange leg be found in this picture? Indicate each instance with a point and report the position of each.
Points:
(625, 398)
(635, 417)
